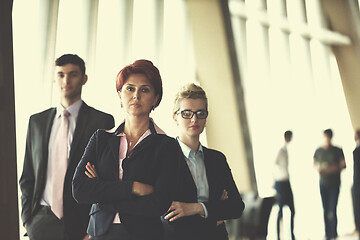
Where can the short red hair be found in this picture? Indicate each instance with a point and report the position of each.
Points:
(145, 67)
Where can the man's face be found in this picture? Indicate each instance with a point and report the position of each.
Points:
(70, 81)
(327, 140)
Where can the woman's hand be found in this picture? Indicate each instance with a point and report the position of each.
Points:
(224, 196)
(90, 171)
(179, 209)
(87, 237)
(142, 189)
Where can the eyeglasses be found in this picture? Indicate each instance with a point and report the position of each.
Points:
(188, 114)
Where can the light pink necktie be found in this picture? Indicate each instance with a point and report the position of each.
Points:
(60, 163)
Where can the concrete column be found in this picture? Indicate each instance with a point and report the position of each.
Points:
(343, 17)
(217, 71)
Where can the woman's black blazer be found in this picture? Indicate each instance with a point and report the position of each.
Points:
(153, 161)
(219, 178)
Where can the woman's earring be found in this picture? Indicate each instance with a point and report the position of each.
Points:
(121, 105)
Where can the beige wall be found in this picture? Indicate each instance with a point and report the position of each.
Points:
(343, 16)
(214, 71)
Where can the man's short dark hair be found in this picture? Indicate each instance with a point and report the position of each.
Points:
(71, 59)
(329, 133)
(288, 134)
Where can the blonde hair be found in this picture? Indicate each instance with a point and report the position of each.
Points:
(189, 91)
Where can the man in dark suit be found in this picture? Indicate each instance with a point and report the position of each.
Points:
(356, 184)
(55, 143)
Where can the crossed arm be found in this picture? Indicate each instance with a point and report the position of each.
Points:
(177, 209)
(138, 188)
(125, 196)
(180, 209)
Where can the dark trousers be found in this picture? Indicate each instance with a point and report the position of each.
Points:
(329, 196)
(285, 198)
(116, 231)
(45, 225)
(356, 204)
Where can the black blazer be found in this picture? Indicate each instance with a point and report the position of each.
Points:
(219, 178)
(32, 181)
(152, 162)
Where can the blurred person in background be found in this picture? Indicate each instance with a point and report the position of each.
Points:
(282, 184)
(356, 183)
(329, 161)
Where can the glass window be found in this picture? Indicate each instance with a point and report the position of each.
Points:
(291, 81)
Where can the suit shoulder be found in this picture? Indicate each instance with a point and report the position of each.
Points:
(215, 153)
(165, 139)
(99, 113)
(356, 153)
(42, 114)
(104, 133)
(165, 143)
(217, 159)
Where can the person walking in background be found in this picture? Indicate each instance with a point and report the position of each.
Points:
(205, 193)
(282, 184)
(329, 161)
(356, 183)
(128, 175)
(55, 142)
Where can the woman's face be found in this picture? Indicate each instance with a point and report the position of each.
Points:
(194, 126)
(138, 95)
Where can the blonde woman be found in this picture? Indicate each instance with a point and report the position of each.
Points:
(205, 193)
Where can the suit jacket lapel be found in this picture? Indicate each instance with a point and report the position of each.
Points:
(114, 144)
(81, 126)
(209, 174)
(187, 177)
(48, 122)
